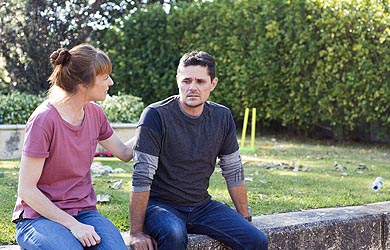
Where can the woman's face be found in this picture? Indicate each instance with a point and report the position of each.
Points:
(99, 90)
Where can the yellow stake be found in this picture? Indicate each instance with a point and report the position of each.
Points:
(253, 132)
(246, 115)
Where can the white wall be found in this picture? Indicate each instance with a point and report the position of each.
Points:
(12, 137)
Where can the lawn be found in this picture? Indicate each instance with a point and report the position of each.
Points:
(283, 175)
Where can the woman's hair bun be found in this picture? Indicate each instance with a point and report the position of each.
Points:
(60, 56)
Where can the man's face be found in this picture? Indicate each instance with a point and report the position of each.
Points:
(195, 86)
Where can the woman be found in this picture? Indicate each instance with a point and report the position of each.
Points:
(56, 205)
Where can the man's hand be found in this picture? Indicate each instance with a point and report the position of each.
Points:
(142, 241)
(85, 234)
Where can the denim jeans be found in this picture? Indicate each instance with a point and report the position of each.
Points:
(45, 234)
(169, 225)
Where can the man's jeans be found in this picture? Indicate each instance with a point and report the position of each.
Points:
(169, 224)
(45, 234)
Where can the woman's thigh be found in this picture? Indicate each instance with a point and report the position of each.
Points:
(43, 234)
(109, 234)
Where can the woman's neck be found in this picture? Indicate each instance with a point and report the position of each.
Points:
(70, 107)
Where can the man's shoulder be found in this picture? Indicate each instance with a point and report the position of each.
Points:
(213, 106)
(160, 108)
(151, 116)
(164, 103)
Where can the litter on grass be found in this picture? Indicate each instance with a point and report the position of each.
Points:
(103, 198)
(98, 169)
(117, 185)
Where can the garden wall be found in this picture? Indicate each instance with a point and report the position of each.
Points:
(365, 227)
(358, 227)
(11, 141)
(12, 137)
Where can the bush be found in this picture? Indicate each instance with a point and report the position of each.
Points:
(17, 107)
(304, 64)
(123, 108)
(144, 55)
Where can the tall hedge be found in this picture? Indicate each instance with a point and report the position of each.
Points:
(16, 107)
(303, 63)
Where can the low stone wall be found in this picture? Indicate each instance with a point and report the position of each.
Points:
(347, 228)
(12, 137)
(359, 227)
(11, 141)
(125, 131)
(356, 228)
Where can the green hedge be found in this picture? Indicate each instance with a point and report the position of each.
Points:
(303, 63)
(123, 108)
(17, 107)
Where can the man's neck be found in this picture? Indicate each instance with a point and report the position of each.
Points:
(191, 111)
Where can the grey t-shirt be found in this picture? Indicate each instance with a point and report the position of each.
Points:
(175, 154)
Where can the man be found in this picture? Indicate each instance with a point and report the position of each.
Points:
(179, 140)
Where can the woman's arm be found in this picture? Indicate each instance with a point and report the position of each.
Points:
(114, 145)
(29, 175)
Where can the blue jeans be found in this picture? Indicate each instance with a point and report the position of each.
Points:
(169, 225)
(45, 234)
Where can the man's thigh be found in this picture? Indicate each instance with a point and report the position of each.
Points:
(161, 216)
(221, 222)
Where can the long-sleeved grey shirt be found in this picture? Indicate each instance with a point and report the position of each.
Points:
(175, 154)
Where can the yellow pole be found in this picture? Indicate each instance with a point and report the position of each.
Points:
(253, 132)
(246, 115)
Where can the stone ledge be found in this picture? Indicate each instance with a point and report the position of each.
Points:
(358, 227)
(12, 138)
(364, 227)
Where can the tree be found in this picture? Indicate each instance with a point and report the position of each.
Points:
(31, 29)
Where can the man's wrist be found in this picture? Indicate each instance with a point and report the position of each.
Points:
(249, 217)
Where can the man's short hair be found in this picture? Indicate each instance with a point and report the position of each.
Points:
(198, 58)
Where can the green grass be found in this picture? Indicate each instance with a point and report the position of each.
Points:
(273, 184)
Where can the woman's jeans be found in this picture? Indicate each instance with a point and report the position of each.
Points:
(169, 225)
(45, 234)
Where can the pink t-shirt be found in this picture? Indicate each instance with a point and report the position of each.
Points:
(69, 152)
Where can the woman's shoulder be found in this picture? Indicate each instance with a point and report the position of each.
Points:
(43, 112)
(93, 107)
(43, 118)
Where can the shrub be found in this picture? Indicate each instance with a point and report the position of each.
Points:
(305, 64)
(123, 108)
(17, 107)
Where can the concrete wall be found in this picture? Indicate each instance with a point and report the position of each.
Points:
(360, 227)
(12, 137)
(125, 131)
(347, 228)
(11, 141)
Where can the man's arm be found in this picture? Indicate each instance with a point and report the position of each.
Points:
(233, 173)
(137, 206)
(146, 151)
(145, 166)
(240, 199)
